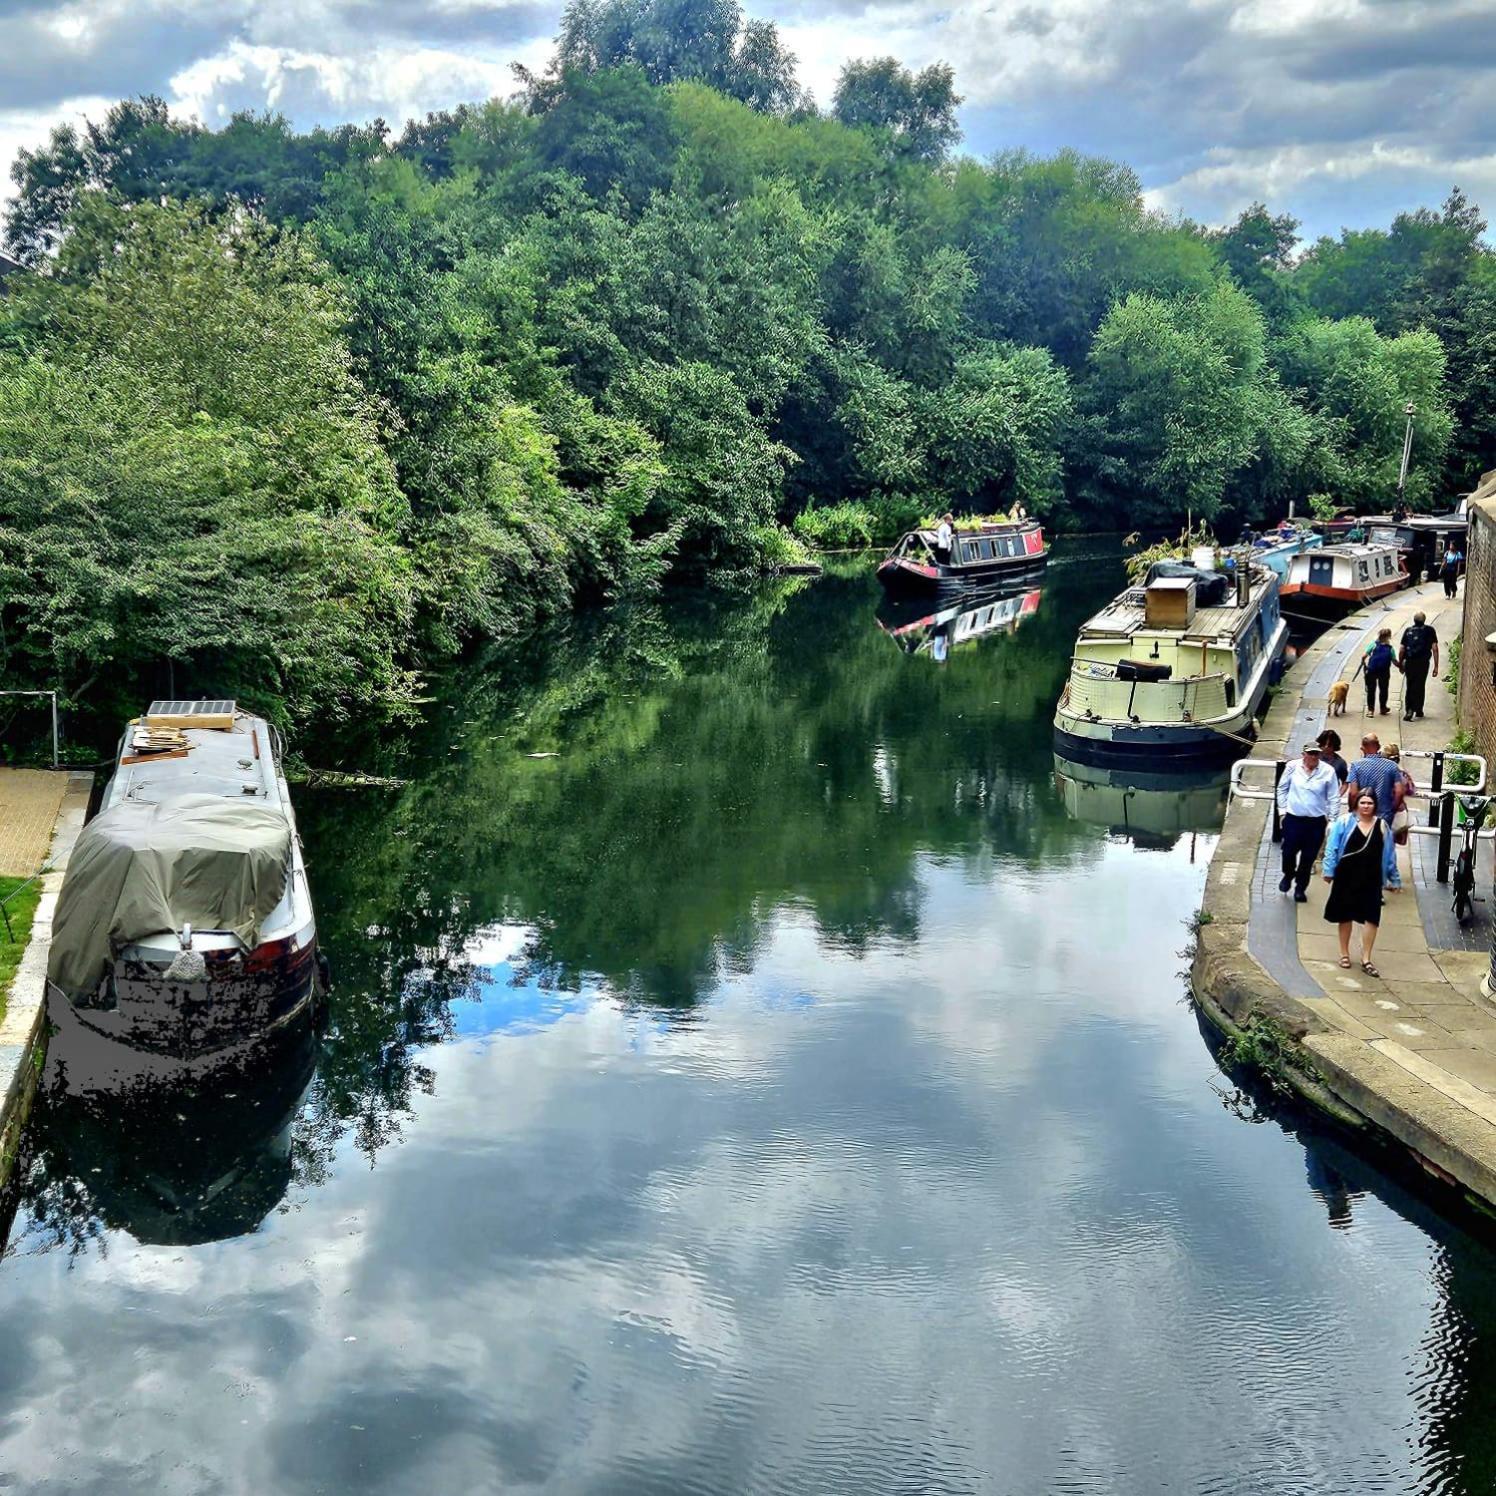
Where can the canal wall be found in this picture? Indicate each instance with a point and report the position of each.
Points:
(23, 1034)
(1408, 1058)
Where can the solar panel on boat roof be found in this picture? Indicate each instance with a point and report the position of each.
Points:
(214, 714)
(190, 708)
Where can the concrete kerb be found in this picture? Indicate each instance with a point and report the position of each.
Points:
(1336, 1074)
(23, 1035)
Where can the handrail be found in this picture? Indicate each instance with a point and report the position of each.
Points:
(1247, 792)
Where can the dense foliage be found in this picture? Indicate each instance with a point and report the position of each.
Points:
(294, 414)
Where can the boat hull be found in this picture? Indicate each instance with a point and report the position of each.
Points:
(903, 577)
(1312, 600)
(1157, 747)
(144, 1025)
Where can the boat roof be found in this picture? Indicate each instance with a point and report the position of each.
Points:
(236, 764)
(994, 527)
(1354, 552)
(1126, 615)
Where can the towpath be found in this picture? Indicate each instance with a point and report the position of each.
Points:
(29, 802)
(1412, 1053)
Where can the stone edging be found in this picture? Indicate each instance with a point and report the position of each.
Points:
(1337, 1074)
(23, 1035)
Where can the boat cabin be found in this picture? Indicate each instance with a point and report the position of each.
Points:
(991, 555)
(1340, 578)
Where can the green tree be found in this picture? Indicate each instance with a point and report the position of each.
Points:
(916, 110)
(190, 477)
(1183, 394)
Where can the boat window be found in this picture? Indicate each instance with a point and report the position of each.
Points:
(968, 551)
(984, 549)
(1361, 570)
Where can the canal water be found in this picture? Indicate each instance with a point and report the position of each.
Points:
(752, 1068)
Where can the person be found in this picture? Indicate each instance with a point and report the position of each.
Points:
(1308, 799)
(1360, 861)
(945, 539)
(1329, 753)
(1378, 662)
(1418, 647)
(1402, 820)
(1379, 775)
(1449, 569)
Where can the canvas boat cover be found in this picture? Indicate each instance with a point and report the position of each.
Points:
(139, 869)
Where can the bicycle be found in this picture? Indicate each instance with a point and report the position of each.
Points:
(1475, 808)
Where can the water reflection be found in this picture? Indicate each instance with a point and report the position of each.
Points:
(776, 1089)
(1149, 809)
(179, 1166)
(918, 629)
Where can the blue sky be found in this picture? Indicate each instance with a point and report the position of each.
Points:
(1342, 112)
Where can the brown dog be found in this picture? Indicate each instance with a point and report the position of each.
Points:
(1338, 692)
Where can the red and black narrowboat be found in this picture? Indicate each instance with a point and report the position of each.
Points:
(996, 554)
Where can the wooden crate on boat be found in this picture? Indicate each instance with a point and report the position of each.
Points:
(1169, 603)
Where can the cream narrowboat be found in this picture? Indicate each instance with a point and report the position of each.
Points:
(1338, 579)
(1173, 672)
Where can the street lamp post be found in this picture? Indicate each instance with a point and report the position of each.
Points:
(1409, 411)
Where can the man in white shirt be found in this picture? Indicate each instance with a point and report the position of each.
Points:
(1308, 797)
(945, 538)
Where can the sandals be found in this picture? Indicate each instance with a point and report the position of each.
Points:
(1369, 969)
(1345, 963)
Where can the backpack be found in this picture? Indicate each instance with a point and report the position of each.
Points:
(1379, 659)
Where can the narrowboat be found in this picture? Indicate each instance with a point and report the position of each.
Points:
(996, 554)
(939, 632)
(1172, 673)
(1277, 548)
(1338, 579)
(1421, 539)
(184, 933)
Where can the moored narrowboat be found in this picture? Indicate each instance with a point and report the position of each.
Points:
(184, 933)
(995, 554)
(1338, 579)
(1172, 673)
(1278, 547)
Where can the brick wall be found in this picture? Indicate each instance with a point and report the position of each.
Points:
(1477, 695)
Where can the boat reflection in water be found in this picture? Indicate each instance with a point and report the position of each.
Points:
(920, 630)
(1150, 809)
(171, 1166)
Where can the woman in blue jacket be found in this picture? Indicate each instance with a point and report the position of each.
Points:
(1360, 861)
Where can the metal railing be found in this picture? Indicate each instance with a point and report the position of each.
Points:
(1442, 798)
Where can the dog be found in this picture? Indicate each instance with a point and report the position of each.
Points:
(1338, 692)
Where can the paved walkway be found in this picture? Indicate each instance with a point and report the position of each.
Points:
(1413, 1051)
(1426, 1012)
(29, 802)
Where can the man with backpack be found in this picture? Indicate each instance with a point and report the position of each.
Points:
(1420, 648)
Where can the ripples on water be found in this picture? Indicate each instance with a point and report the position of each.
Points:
(783, 1089)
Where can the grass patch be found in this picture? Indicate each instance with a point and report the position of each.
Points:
(20, 910)
(1262, 1048)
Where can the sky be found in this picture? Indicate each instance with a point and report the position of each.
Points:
(1342, 112)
